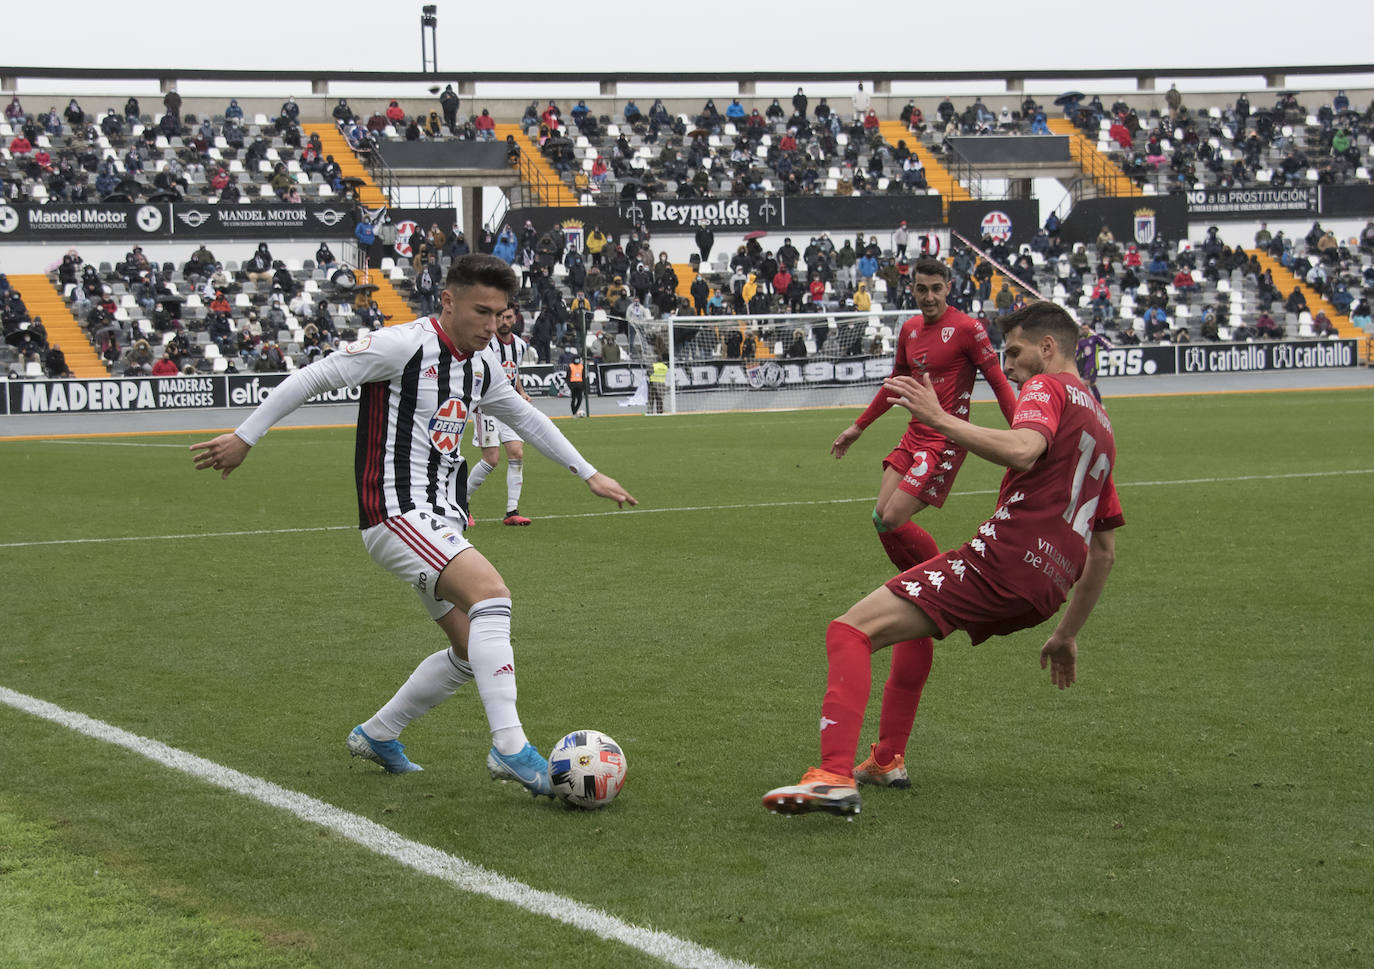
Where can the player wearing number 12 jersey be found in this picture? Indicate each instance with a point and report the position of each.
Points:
(951, 348)
(1053, 529)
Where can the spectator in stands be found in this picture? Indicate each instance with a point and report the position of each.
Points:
(485, 125)
(20, 145)
(1184, 281)
(395, 114)
(1361, 316)
(1296, 302)
(505, 247)
(166, 366)
(324, 257)
(1266, 327)
(258, 268)
(1322, 325)
(552, 118)
(1156, 323)
(14, 111)
(342, 113)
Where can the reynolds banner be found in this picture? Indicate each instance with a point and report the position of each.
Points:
(756, 214)
(155, 221)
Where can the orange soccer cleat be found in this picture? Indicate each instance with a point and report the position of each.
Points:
(819, 790)
(882, 775)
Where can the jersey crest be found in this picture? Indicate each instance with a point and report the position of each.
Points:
(446, 426)
(946, 333)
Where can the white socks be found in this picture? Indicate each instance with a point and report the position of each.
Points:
(493, 667)
(515, 480)
(478, 475)
(436, 679)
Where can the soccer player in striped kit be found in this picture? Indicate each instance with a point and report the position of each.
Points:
(420, 383)
(491, 435)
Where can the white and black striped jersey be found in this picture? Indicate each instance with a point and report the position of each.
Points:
(511, 355)
(418, 392)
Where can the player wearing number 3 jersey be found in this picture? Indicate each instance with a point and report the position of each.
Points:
(1053, 529)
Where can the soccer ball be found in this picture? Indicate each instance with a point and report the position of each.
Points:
(587, 769)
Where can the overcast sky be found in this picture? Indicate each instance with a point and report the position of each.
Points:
(551, 35)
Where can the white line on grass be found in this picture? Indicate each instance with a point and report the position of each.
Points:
(679, 508)
(460, 873)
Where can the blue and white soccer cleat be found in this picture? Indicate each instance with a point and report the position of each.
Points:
(391, 754)
(528, 767)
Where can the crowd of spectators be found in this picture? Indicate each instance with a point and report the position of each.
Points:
(128, 155)
(1237, 145)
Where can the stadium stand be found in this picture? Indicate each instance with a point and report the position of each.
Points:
(748, 149)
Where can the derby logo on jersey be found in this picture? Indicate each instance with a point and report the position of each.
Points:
(510, 368)
(946, 333)
(446, 426)
(358, 346)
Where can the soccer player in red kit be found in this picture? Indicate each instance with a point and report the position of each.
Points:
(949, 347)
(1053, 529)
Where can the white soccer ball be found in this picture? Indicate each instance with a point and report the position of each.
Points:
(587, 769)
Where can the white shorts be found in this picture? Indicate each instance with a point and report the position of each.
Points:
(490, 432)
(416, 546)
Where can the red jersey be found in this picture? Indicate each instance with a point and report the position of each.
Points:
(950, 350)
(1036, 542)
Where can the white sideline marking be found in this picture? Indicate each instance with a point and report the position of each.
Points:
(681, 508)
(460, 873)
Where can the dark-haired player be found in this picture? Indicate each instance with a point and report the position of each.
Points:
(1053, 529)
(420, 382)
(948, 347)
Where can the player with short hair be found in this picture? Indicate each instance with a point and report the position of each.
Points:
(949, 347)
(1053, 529)
(491, 435)
(420, 382)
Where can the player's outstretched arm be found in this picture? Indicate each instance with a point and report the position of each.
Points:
(847, 437)
(1061, 649)
(223, 453)
(604, 486)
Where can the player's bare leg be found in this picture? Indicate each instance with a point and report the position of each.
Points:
(879, 620)
(907, 545)
(472, 584)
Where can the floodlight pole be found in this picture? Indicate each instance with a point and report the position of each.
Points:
(429, 45)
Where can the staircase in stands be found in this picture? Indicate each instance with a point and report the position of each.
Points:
(1284, 281)
(349, 164)
(541, 178)
(1102, 170)
(43, 299)
(938, 177)
(388, 298)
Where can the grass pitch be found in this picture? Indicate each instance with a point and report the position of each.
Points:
(1203, 796)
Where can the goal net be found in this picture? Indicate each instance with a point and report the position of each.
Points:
(766, 362)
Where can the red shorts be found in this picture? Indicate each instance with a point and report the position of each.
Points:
(927, 469)
(954, 595)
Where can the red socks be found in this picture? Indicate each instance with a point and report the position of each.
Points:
(902, 694)
(846, 696)
(908, 545)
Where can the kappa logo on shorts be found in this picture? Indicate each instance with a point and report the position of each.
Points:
(913, 589)
(937, 579)
(446, 426)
